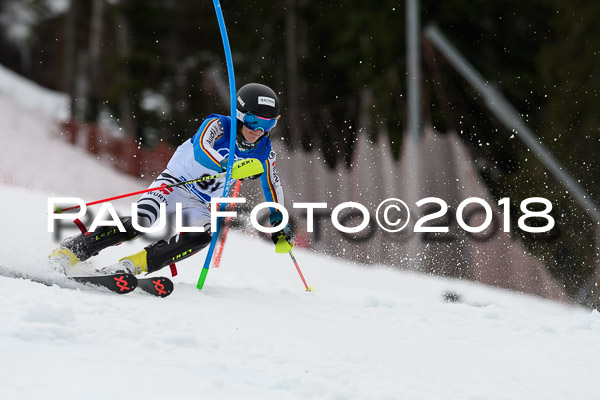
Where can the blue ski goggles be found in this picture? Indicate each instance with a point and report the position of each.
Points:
(254, 122)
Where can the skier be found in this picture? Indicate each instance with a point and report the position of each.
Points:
(205, 154)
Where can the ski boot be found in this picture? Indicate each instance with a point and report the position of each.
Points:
(162, 253)
(133, 264)
(81, 247)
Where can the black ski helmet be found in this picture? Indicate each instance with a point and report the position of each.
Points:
(259, 100)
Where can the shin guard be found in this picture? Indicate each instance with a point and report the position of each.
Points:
(177, 248)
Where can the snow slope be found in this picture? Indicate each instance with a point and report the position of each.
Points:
(253, 333)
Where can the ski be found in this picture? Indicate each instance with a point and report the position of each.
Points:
(120, 282)
(159, 286)
(123, 282)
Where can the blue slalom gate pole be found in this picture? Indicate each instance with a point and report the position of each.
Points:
(233, 124)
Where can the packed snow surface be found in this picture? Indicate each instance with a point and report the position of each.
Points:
(366, 332)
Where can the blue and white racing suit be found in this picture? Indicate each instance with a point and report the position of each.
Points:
(198, 157)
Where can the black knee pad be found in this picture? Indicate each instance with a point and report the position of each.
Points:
(177, 248)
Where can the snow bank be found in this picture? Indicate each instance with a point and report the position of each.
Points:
(33, 97)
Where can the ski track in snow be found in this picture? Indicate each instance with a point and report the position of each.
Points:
(365, 333)
(253, 333)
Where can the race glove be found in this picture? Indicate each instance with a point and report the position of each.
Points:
(223, 164)
(288, 232)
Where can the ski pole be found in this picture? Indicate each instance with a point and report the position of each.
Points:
(161, 187)
(236, 192)
(308, 288)
(241, 170)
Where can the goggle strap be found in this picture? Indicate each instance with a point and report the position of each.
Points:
(240, 115)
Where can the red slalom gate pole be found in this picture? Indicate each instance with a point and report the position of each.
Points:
(217, 261)
(308, 288)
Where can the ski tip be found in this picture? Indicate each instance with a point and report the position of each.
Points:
(159, 286)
